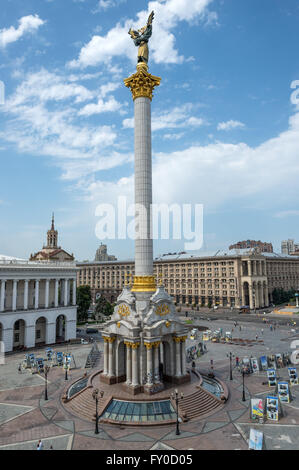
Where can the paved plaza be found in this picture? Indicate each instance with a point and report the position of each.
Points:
(25, 417)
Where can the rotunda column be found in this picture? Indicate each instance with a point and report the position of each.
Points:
(178, 370)
(106, 355)
(135, 375)
(129, 363)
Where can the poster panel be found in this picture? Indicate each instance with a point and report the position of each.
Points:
(254, 364)
(293, 375)
(283, 392)
(257, 408)
(264, 362)
(271, 374)
(255, 440)
(272, 408)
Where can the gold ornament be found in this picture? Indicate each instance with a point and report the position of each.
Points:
(142, 83)
(118, 324)
(144, 284)
(123, 310)
(162, 310)
(167, 324)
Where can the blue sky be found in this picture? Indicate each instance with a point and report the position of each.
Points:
(225, 132)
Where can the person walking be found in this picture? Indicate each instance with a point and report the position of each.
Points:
(20, 368)
(256, 337)
(262, 331)
(40, 445)
(237, 361)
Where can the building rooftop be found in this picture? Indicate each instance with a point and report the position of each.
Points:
(235, 253)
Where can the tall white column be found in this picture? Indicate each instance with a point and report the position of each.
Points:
(149, 364)
(135, 375)
(65, 292)
(111, 358)
(36, 303)
(129, 364)
(184, 371)
(106, 357)
(74, 291)
(2, 295)
(156, 363)
(47, 293)
(56, 292)
(178, 371)
(26, 286)
(143, 187)
(14, 294)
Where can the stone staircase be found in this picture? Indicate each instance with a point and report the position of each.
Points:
(198, 404)
(93, 357)
(84, 405)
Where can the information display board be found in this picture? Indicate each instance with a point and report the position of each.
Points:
(272, 408)
(293, 375)
(255, 440)
(264, 362)
(254, 364)
(283, 392)
(271, 374)
(257, 408)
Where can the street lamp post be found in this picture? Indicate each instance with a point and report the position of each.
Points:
(243, 395)
(230, 355)
(175, 396)
(95, 396)
(46, 371)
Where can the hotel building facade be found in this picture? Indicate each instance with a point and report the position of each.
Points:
(226, 279)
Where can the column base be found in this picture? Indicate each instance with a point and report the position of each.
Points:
(177, 380)
(111, 380)
(154, 388)
(132, 389)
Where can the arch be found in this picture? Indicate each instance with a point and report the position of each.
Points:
(121, 362)
(60, 328)
(19, 334)
(245, 296)
(167, 359)
(41, 325)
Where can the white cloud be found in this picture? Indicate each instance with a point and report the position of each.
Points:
(100, 107)
(289, 213)
(44, 121)
(27, 24)
(168, 14)
(177, 117)
(236, 171)
(228, 125)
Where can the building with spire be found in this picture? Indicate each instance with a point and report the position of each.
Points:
(51, 251)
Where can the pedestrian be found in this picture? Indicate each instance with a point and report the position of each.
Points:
(40, 445)
(240, 328)
(20, 368)
(262, 331)
(237, 361)
(256, 337)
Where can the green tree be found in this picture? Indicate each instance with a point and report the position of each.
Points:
(83, 302)
(103, 307)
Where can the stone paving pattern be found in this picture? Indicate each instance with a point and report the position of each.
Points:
(25, 417)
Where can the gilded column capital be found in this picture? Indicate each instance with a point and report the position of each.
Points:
(157, 344)
(108, 339)
(128, 344)
(148, 345)
(135, 345)
(176, 339)
(142, 83)
(144, 284)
